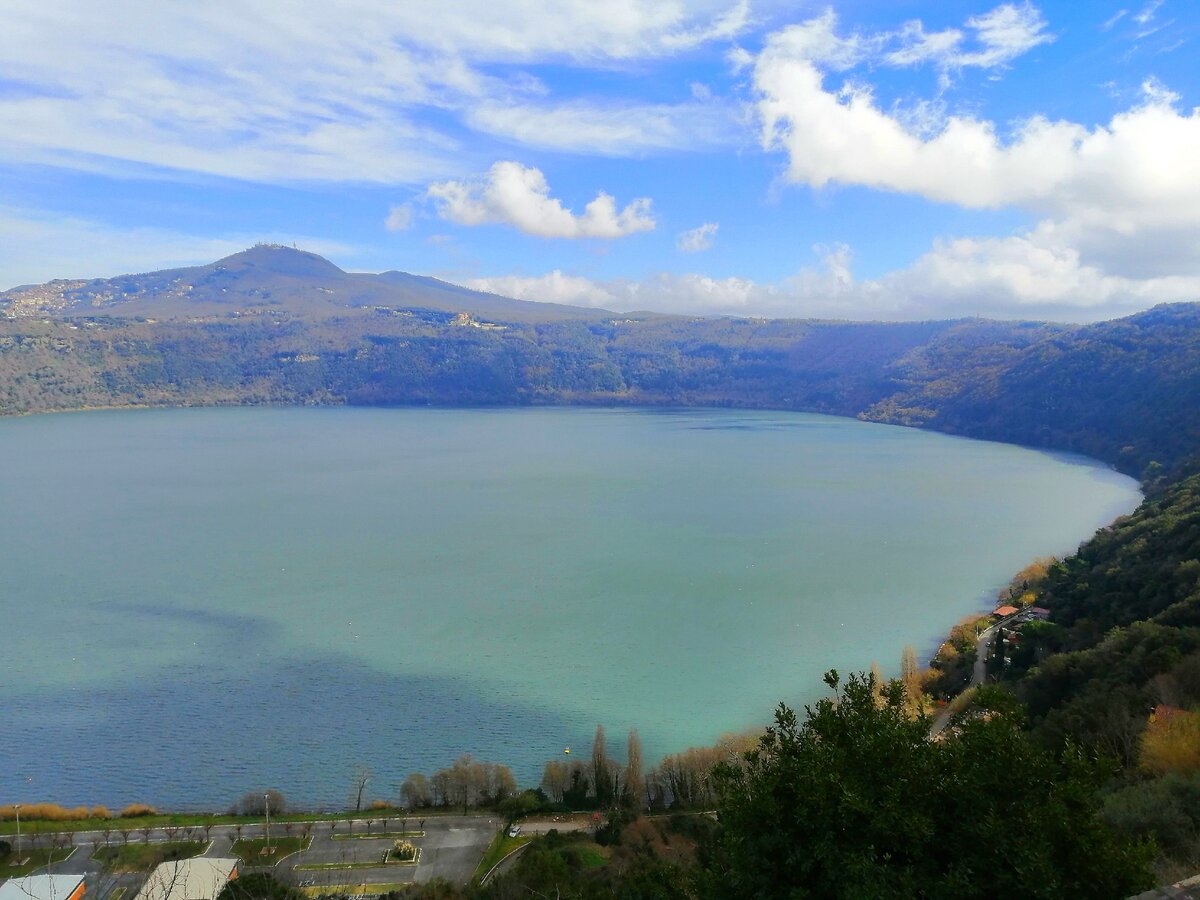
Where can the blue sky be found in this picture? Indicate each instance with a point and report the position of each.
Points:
(858, 160)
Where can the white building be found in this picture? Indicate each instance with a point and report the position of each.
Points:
(199, 878)
(44, 887)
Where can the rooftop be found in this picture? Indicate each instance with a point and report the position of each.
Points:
(40, 887)
(198, 878)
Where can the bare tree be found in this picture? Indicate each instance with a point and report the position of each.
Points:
(635, 792)
(877, 683)
(601, 781)
(362, 775)
(911, 677)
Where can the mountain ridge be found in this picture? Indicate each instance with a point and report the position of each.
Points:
(274, 278)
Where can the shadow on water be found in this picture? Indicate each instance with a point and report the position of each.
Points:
(198, 738)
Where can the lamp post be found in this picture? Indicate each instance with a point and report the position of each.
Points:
(267, 806)
(17, 807)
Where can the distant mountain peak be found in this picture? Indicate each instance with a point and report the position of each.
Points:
(281, 260)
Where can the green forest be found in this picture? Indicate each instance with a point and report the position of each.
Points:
(1121, 391)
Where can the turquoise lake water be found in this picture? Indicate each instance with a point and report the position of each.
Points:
(198, 603)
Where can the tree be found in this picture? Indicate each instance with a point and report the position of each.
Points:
(255, 803)
(856, 801)
(910, 677)
(877, 682)
(362, 775)
(635, 791)
(601, 778)
(1171, 742)
(258, 886)
(556, 778)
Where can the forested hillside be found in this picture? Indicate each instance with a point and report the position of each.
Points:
(279, 326)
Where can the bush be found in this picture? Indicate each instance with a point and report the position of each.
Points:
(5, 849)
(697, 826)
(49, 812)
(101, 812)
(136, 810)
(255, 803)
(258, 886)
(1166, 809)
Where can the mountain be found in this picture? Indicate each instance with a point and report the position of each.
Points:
(278, 325)
(269, 278)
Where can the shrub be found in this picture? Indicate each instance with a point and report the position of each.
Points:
(255, 803)
(50, 812)
(404, 850)
(136, 810)
(5, 849)
(101, 812)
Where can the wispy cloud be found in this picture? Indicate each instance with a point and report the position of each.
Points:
(697, 239)
(1108, 23)
(614, 128)
(399, 218)
(1146, 14)
(355, 91)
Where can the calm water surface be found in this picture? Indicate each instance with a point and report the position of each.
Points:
(197, 603)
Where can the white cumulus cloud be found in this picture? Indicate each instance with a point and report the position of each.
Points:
(1033, 276)
(1121, 198)
(513, 194)
(554, 287)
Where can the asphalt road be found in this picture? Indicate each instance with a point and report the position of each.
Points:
(450, 848)
(983, 650)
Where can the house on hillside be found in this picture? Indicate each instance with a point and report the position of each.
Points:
(44, 887)
(198, 878)
(1038, 613)
(1003, 612)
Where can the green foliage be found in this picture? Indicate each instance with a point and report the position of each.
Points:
(527, 803)
(1117, 390)
(856, 801)
(1165, 809)
(1135, 569)
(258, 886)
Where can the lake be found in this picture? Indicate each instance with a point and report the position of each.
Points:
(198, 603)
